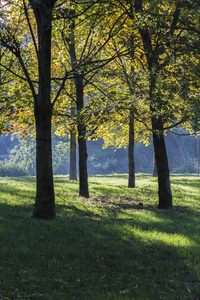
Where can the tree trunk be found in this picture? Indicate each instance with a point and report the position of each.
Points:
(45, 199)
(164, 189)
(155, 173)
(72, 169)
(131, 161)
(83, 175)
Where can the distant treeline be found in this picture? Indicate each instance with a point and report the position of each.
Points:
(17, 156)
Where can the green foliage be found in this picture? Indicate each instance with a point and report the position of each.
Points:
(187, 151)
(60, 156)
(20, 159)
(112, 160)
(115, 245)
(106, 161)
(23, 154)
(8, 169)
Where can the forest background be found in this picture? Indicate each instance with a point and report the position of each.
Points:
(17, 156)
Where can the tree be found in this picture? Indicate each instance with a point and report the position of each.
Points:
(45, 198)
(156, 38)
(85, 51)
(78, 80)
(156, 32)
(131, 161)
(118, 102)
(41, 89)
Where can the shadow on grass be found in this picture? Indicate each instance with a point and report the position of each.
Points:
(80, 256)
(180, 220)
(130, 250)
(191, 182)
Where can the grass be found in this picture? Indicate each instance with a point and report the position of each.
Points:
(114, 245)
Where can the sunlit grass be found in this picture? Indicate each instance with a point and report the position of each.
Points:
(114, 245)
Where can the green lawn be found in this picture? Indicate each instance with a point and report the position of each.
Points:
(114, 245)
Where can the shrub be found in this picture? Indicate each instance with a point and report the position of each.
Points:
(11, 170)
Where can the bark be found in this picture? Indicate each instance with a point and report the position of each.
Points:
(83, 175)
(131, 161)
(72, 168)
(45, 199)
(155, 173)
(164, 189)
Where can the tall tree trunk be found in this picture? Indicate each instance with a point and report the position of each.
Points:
(164, 189)
(83, 175)
(131, 161)
(72, 168)
(45, 199)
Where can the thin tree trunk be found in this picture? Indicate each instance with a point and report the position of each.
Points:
(131, 161)
(72, 169)
(164, 189)
(83, 175)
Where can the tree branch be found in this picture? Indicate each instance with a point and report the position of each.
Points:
(30, 28)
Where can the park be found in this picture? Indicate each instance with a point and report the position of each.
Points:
(99, 156)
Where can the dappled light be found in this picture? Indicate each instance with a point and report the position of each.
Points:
(99, 150)
(102, 247)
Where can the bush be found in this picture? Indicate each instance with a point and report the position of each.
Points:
(10, 170)
(21, 159)
(60, 157)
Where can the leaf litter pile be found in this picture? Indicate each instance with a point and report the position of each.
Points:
(110, 203)
(118, 203)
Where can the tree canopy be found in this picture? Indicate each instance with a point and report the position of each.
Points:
(123, 64)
